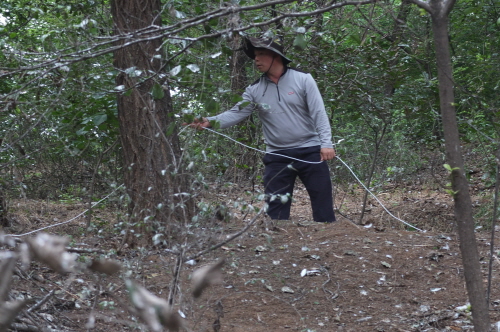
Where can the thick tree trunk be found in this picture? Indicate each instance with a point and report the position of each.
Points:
(150, 157)
(463, 204)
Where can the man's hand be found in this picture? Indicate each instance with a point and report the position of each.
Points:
(198, 124)
(327, 154)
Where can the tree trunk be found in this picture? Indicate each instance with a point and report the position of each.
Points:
(394, 37)
(151, 158)
(463, 204)
(247, 130)
(378, 142)
(237, 64)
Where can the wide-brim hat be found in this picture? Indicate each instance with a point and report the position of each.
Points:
(251, 43)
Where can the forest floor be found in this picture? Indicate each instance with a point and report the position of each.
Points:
(278, 276)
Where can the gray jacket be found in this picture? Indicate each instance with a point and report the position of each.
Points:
(292, 112)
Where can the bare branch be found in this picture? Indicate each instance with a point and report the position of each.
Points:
(243, 230)
(154, 32)
(41, 302)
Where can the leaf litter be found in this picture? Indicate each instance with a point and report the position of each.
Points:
(351, 279)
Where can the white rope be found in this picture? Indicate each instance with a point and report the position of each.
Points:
(276, 154)
(318, 162)
(368, 190)
(249, 147)
(67, 221)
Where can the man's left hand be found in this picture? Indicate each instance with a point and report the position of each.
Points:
(327, 154)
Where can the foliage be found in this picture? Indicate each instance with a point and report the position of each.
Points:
(56, 120)
(59, 122)
(374, 64)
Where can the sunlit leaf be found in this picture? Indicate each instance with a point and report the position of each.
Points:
(193, 67)
(176, 70)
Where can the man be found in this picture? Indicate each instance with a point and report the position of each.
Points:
(295, 124)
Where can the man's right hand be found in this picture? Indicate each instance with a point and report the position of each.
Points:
(198, 124)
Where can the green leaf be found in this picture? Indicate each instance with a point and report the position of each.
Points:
(451, 192)
(470, 10)
(99, 118)
(212, 107)
(81, 131)
(188, 117)
(243, 105)
(170, 129)
(215, 124)
(157, 91)
(299, 43)
(236, 98)
(356, 39)
(448, 168)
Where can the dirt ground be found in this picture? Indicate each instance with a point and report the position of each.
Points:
(278, 276)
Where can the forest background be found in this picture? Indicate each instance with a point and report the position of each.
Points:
(93, 95)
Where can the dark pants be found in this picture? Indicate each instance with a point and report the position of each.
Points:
(279, 179)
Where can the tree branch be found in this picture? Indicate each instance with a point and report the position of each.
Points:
(448, 6)
(234, 236)
(422, 4)
(154, 32)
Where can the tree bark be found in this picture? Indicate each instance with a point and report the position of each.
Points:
(237, 64)
(150, 157)
(247, 130)
(460, 186)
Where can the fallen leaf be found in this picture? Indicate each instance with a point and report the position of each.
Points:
(260, 249)
(306, 272)
(385, 264)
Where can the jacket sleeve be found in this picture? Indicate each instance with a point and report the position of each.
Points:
(236, 114)
(317, 111)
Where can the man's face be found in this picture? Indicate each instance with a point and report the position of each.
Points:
(264, 59)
